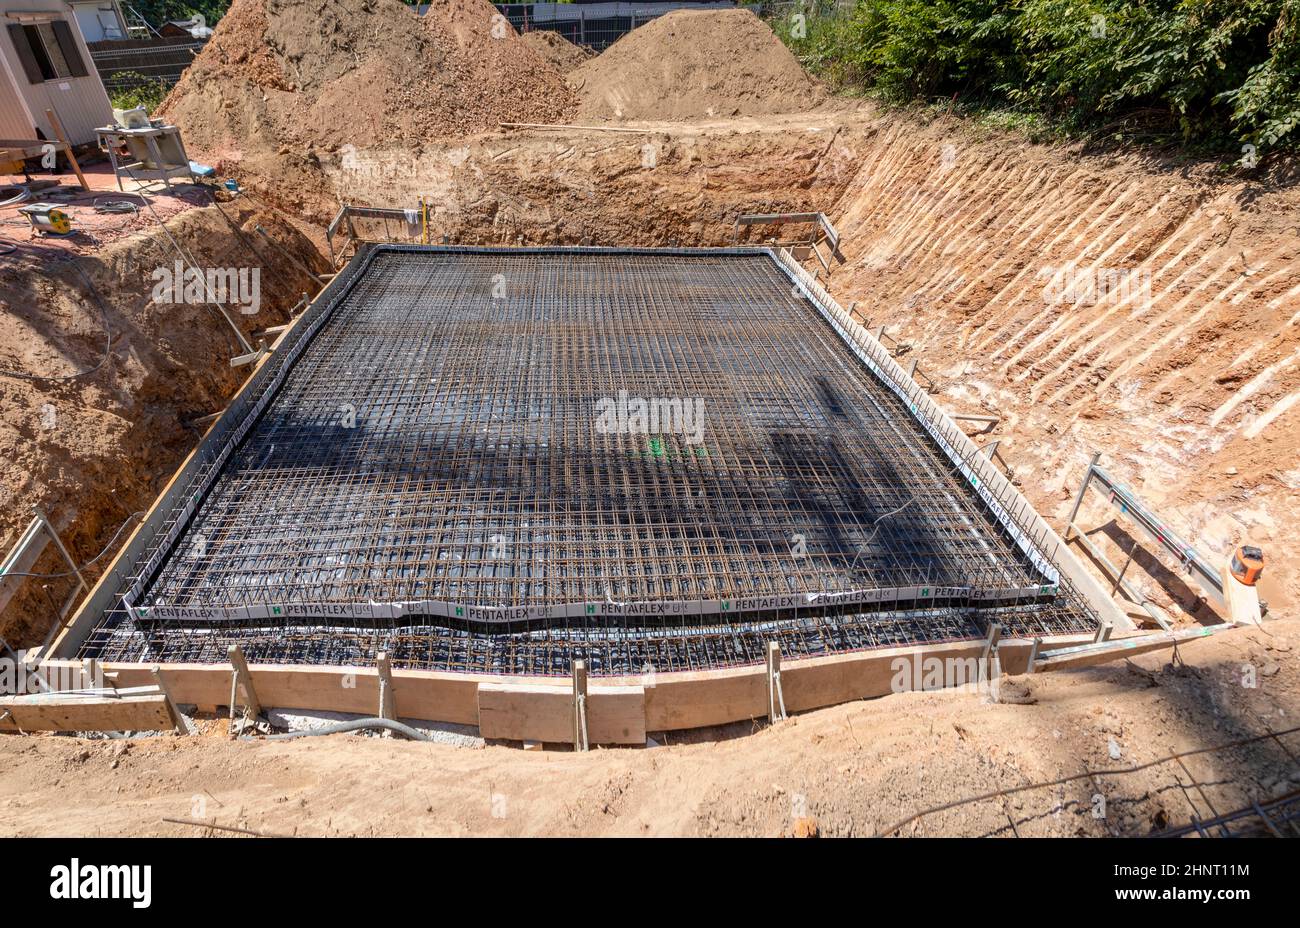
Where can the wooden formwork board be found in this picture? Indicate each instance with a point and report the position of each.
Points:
(620, 710)
(72, 713)
(544, 712)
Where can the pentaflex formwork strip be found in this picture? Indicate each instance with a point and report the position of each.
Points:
(183, 498)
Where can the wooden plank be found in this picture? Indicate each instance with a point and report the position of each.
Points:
(696, 700)
(524, 712)
(620, 710)
(842, 678)
(131, 713)
(1117, 648)
(1241, 602)
(557, 125)
(542, 712)
(445, 697)
(23, 149)
(53, 117)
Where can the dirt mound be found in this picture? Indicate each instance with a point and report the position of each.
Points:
(555, 48)
(283, 81)
(695, 63)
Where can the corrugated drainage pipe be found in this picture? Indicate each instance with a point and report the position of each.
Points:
(339, 728)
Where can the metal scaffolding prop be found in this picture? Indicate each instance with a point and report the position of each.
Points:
(24, 556)
(1129, 504)
(504, 460)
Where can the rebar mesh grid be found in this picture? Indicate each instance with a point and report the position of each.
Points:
(611, 648)
(441, 440)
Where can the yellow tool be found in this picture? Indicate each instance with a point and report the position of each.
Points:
(1248, 564)
(47, 218)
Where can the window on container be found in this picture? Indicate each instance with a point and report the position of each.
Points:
(48, 50)
(50, 42)
(37, 45)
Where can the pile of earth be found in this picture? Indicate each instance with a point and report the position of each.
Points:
(555, 48)
(284, 84)
(692, 64)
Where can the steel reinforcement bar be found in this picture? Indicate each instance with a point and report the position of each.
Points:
(546, 615)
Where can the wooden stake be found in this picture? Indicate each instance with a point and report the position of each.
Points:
(990, 648)
(58, 133)
(775, 698)
(172, 709)
(580, 706)
(387, 707)
(244, 679)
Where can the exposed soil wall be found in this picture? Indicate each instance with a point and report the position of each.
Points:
(94, 449)
(1150, 311)
(682, 186)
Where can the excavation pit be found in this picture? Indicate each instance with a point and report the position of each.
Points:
(501, 460)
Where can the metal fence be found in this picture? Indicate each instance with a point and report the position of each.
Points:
(594, 25)
(123, 65)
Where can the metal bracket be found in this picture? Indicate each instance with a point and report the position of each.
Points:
(1033, 655)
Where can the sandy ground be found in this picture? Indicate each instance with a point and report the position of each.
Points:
(855, 769)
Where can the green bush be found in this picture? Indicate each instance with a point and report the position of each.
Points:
(144, 91)
(1206, 72)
